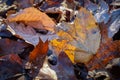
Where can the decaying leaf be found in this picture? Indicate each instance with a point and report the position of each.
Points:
(105, 54)
(52, 2)
(113, 69)
(39, 53)
(24, 4)
(114, 23)
(33, 17)
(100, 10)
(8, 46)
(29, 34)
(64, 70)
(107, 51)
(79, 40)
(9, 66)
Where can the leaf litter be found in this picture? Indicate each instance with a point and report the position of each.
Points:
(80, 39)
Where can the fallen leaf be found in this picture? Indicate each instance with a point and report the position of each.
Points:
(64, 69)
(112, 67)
(79, 40)
(39, 53)
(8, 46)
(50, 4)
(102, 14)
(29, 34)
(107, 51)
(105, 54)
(9, 66)
(24, 4)
(113, 24)
(100, 10)
(33, 17)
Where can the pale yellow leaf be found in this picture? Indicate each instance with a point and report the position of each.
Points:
(81, 39)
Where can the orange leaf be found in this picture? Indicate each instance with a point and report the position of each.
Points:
(39, 52)
(32, 14)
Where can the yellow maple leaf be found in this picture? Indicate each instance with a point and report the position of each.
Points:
(60, 46)
(79, 40)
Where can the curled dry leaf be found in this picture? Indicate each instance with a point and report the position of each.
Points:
(79, 40)
(33, 17)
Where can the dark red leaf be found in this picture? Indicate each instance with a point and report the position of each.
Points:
(8, 46)
(9, 66)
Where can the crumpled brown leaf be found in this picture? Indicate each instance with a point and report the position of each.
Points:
(34, 18)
